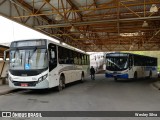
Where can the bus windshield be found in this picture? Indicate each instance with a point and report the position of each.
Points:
(116, 63)
(29, 59)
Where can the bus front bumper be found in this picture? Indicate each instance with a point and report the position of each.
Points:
(124, 76)
(29, 85)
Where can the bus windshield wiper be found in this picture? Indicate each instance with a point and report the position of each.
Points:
(30, 56)
(35, 49)
(114, 63)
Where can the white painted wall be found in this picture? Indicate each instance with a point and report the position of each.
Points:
(97, 60)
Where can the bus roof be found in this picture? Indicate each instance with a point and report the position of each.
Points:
(50, 41)
(67, 46)
(129, 54)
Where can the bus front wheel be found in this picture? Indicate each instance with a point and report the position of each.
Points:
(150, 74)
(61, 83)
(135, 75)
(82, 77)
(115, 79)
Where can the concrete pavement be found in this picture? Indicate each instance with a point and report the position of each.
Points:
(157, 84)
(102, 94)
(5, 89)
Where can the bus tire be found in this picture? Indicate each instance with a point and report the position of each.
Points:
(61, 83)
(150, 74)
(82, 77)
(115, 79)
(135, 75)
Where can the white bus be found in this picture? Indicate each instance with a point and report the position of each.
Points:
(40, 64)
(127, 65)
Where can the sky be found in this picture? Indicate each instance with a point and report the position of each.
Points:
(11, 31)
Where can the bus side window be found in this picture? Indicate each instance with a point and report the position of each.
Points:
(52, 54)
(75, 58)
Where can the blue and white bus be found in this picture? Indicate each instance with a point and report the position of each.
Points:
(41, 63)
(127, 65)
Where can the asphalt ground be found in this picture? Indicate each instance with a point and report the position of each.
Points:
(101, 94)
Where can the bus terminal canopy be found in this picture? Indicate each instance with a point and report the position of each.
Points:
(91, 25)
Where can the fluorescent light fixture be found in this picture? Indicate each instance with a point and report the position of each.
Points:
(87, 34)
(73, 29)
(153, 8)
(145, 24)
(81, 36)
(58, 17)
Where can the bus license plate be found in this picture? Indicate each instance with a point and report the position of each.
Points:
(114, 75)
(24, 84)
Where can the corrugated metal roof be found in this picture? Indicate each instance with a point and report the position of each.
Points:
(100, 21)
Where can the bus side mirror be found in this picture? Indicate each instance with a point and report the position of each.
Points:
(104, 66)
(5, 55)
(129, 67)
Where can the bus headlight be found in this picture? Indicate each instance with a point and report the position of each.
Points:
(10, 78)
(42, 78)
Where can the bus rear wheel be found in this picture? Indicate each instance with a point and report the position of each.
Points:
(82, 77)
